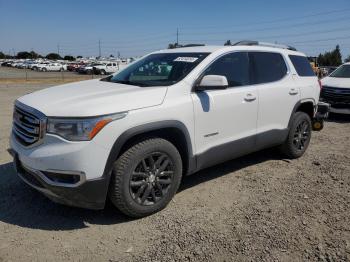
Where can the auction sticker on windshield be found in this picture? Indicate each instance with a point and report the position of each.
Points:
(186, 59)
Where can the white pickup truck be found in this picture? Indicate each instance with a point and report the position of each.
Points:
(106, 69)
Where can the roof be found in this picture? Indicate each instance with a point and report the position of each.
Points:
(211, 49)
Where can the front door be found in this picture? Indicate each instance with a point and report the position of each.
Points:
(225, 120)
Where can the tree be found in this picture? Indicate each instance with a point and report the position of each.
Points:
(23, 55)
(332, 58)
(34, 55)
(53, 56)
(69, 58)
(347, 59)
(228, 42)
(2, 55)
(79, 56)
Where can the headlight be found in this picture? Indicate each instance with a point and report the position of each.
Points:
(80, 129)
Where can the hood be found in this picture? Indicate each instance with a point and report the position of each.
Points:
(93, 97)
(336, 82)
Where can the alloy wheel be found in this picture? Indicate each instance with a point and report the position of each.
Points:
(151, 179)
(301, 135)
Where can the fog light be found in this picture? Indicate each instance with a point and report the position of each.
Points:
(63, 178)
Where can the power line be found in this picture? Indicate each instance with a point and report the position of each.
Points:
(275, 27)
(273, 21)
(280, 36)
(321, 40)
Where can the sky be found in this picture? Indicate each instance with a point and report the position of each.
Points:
(133, 28)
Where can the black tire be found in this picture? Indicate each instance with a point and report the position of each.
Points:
(102, 72)
(89, 72)
(299, 136)
(44, 69)
(137, 189)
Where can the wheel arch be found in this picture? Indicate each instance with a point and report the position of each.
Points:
(172, 130)
(307, 106)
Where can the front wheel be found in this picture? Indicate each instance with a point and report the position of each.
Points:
(299, 136)
(146, 177)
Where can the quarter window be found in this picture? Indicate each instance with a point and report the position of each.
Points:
(302, 65)
(267, 67)
(235, 66)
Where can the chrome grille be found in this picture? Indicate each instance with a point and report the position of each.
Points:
(28, 124)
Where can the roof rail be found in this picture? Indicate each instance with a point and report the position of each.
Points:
(192, 45)
(249, 42)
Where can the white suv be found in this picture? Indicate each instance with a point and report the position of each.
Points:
(133, 135)
(336, 90)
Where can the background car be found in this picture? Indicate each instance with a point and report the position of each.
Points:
(336, 90)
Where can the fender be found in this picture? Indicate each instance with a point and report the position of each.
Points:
(297, 105)
(154, 126)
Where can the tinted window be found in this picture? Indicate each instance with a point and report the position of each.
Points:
(268, 67)
(343, 71)
(302, 65)
(234, 66)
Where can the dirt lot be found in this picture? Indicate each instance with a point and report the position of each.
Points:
(258, 208)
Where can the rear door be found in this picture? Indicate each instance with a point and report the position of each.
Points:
(305, 78)
(278, 95)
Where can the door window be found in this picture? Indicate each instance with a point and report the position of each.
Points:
(267, 67)
(235, 66)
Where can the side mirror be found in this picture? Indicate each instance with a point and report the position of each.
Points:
(212, 82)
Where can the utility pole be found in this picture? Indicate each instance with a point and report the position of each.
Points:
(99, 48)
(58, 48)
(177, 36)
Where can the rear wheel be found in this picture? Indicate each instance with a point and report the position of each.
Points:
(102, 72)
(146, 177)
(44, 69)
(299, 136)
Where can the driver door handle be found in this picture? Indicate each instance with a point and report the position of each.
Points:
(249, 97)
(293, 91)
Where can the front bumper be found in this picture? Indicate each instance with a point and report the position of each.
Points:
(89, 194)
(338, 98)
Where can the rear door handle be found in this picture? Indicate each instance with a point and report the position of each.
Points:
(249, 97)
(293, 91)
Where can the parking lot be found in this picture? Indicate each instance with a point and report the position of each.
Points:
(15, 75)
(257, 208)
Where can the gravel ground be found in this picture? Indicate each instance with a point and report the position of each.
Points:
(257, 208)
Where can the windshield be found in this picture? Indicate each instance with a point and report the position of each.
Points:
(159, 69)
(343, 72)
